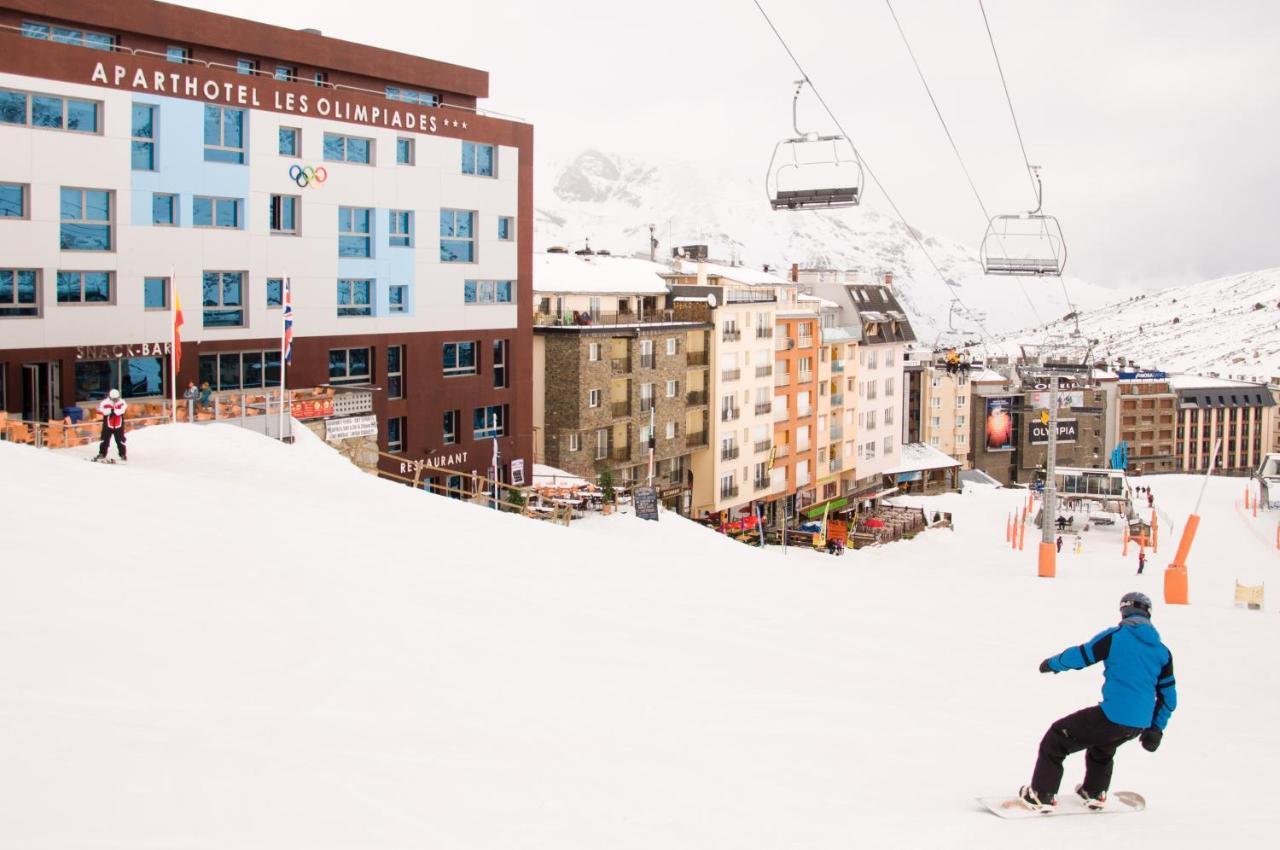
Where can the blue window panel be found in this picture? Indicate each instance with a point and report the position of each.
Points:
(31, 29)
(251, 369)
(275, 292)
(154, 291)
(404, 151)
(477, 159)
(358, 150)
(401, 228)
(347, 149)
(13, 107)
(397, 300)
(289, 141)
(18, 293)
(246, 66)
(144, 121)
(177, 54)
(229, 372)
(164, 209)
(97, 287)
(227, 213)
(223, 134)
(452, 251)
(215, 212)
(13, 200)
(506, 228)
(410, 96)
(84, 287)
(99, 41)
(202, 212)
(487, 422)
(46, 111)
(284, 73)
(223, 299)
(355, 298)
(86, 220)
(354, 227)
(335, 147)
(469, 295)
(144, 156)
(459, 358)
(502, 291)
(82, 116)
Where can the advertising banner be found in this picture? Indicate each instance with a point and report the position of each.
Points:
(1068, 399)
(999, 424)
(1067, 432)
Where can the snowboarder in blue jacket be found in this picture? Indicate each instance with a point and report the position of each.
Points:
(1138, 695)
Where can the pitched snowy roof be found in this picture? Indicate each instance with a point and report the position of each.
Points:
(988, 376)
(738, 274)
(821, 302)
(917, 457)
(596, 274)
(1200, 382)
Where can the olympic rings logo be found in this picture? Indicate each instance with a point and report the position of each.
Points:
(305, 176)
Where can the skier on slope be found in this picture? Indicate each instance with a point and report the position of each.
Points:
(1138, 695)
(112, 410)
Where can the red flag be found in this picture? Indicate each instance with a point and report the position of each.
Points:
(177, 336)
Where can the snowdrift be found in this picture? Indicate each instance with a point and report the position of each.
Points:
(231, 643)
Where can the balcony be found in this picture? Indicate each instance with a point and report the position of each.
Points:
(780, 413)
(804, 378)
(837, 365)
(804, 411)
(586, 319)
(620, 453)
(696, 438)
(646, 404)
(621, 365)
(801, 448)
(837, 432)
(621, 408)
(804, 342)
(759, 484)
(648, 361)
(764, 371)
(761, 446)
(696, 398)
(730, 374)
(730, 492)
(729, 414)
(781, 379)
(837, 399)
(697, 358)
(729, 452)
(781, 450)
(783, 343)
(764, 333)
(763, 408)
(731, 335)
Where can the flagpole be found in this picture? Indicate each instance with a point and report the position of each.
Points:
(173, 345)
(283, 319)
(652, 439)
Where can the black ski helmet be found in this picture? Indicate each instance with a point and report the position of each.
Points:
(1135, 602)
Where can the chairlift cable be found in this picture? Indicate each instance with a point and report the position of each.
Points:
(911, 231)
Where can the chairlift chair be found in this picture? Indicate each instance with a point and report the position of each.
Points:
(813, 172)
(1027, 244)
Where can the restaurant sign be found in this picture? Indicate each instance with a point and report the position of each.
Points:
(113, 352)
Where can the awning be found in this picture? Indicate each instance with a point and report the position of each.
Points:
(833, 505)
(892, 491)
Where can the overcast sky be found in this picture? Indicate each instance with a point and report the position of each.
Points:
(1155, 121)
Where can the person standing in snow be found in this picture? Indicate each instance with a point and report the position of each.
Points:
(112, 410)
(1138, 697)
(1079, 545)
(1059, 544)
(1142, 560)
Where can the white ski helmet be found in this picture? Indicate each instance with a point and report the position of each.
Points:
(113, 395)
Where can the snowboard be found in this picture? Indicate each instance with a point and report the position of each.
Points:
(1118, 802)
(96, 459)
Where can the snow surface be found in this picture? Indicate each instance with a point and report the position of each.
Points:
(569, 273)
(231, 643)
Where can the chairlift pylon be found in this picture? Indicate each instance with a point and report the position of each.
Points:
(1030, 243)
(813, 172)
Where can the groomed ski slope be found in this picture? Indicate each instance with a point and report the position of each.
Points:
(230, 643)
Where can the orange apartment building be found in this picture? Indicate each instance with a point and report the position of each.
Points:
(797, 345)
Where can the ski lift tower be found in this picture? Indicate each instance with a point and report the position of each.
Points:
(1053, 368)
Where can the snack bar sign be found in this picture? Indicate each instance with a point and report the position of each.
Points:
(322, 105)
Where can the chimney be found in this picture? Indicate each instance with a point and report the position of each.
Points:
(795, 272)
(888, 279)
(702, 273)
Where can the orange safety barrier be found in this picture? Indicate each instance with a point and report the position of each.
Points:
(1008, 527)
(1046, 567)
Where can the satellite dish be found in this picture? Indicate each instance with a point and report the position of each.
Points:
(711, 300)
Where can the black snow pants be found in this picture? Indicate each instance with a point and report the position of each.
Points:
(1088, 730)
(107, 434)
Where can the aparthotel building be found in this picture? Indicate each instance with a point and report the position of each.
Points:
(151, 152)
(1237, 414)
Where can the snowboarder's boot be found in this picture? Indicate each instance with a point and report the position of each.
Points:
(1090, 800)
(1032, 800)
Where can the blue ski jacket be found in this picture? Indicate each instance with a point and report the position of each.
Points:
(1138, 687)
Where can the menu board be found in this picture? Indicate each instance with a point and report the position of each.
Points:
(645, 500)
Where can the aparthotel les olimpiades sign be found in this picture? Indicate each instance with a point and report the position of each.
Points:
(184, 84)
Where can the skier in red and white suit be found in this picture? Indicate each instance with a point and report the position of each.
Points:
(112, 410)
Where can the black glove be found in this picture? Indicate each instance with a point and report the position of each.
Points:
(1045, 668)
(1151, 739)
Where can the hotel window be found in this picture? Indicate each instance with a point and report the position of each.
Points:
(348, 149)
(354, 227)
(19, 293)
(86, 220)
(395, 371)
(349, 366)
(48, 111)
(673, 389)
(410, 96)
(646, 398)
(486, 292)
(164, 209)
(477, 159)
(459, 359)
(285, 73)
(602, 443)
(355, 297)
(155, 293)
(489, 421)
(888, 387)
(246, 66)
(401, 228)
(452, 418)
(144, 137)
(320, 78)
(575, 442)
(13, 200)
(290, 144)
(404, 151)
(672, 346)
(888, 444)
(398, 298)
(499, 363)
(180, 55)
(961, 400)
(66, 35)
(215, 212)
(395, 434)
(84, 287)
(457, 236)
(284, 214)
(593, 398)
(275, 292)
(506, 228)
(671, 431)
(223, 134)
(240, 370)
(593, 352)
(888, 416)
(223, 299)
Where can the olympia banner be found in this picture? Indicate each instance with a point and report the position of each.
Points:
(1067, 432)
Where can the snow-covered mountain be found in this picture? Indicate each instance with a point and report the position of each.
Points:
(611, 201)
(1229, 326)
